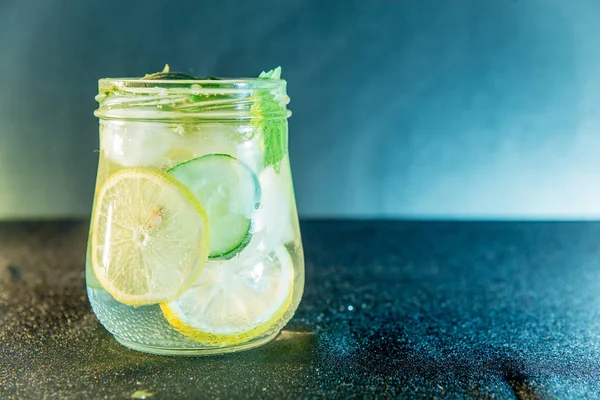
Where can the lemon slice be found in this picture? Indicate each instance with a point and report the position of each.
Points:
(150, 237)
(236, 300)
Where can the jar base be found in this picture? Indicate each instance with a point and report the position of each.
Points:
(205, 351)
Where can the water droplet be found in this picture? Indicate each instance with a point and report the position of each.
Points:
(141, 394)
(196, 88)
(350, 308)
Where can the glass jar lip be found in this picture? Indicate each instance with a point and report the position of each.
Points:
(258, 83)
(162, 99)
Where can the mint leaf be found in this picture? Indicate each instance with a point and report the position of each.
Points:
(275, 140)
(274, 130)
(275, 73)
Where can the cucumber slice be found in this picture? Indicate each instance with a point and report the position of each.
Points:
(229, 192)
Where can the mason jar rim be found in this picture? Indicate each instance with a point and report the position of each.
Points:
(105, 83)
(237, 98)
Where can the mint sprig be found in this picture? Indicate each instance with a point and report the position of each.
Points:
(274, 130)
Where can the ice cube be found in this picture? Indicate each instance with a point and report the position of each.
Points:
(219, 138)
(272, 222)
(210, 138)
(136, 144)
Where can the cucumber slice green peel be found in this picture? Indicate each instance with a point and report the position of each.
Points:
(229, 192)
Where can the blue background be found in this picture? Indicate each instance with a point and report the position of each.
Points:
(425, 109)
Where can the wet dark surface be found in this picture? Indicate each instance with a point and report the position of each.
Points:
(391, 309)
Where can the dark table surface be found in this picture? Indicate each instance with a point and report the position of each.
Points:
(391, 309)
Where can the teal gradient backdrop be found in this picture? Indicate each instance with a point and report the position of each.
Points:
(430, 108)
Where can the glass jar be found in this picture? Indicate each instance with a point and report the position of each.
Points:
(194, 243)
